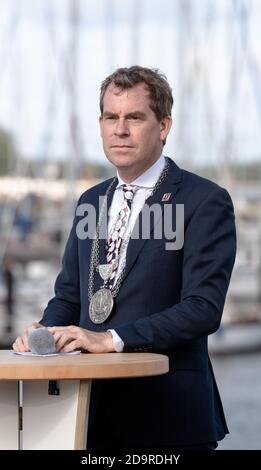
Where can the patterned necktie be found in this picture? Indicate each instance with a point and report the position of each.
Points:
(115, 238)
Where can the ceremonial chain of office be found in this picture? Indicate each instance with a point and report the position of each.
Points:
(101, 303)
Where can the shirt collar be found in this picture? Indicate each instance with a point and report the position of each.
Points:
(149, 178)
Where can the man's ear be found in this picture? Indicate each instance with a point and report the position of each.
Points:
(100, 123)
(165, 127)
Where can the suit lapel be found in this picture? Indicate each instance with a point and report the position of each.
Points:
(169, 186)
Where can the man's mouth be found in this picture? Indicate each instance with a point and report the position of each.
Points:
(122, 146)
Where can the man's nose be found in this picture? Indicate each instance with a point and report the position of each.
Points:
(122, 128)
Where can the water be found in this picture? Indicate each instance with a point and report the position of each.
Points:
(239, 382)
(34, 286)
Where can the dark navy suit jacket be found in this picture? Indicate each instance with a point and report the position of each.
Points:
(169, 302)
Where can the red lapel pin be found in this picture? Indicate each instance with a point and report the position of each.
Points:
(166, 197)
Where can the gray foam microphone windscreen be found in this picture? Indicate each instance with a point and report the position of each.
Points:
(41, 341)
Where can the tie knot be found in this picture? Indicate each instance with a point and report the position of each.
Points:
(128, 192)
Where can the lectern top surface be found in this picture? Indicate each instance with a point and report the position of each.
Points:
(83, 366)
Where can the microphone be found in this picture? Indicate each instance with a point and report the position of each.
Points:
(41, 341)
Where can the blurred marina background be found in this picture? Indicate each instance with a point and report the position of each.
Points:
(54, 55)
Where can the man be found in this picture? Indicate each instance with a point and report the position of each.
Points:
(153, 297)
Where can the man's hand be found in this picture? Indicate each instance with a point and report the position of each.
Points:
(21, 342)
(70, 338)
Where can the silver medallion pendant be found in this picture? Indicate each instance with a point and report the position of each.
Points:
(101, 305)
(105, 270)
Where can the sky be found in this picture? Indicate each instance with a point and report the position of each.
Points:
(208, 49)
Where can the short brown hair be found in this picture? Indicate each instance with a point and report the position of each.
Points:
(161, 99)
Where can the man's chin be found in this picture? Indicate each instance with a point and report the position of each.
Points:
(121, 161)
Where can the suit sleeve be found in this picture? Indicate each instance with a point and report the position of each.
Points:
(209, 255)
(64, 308)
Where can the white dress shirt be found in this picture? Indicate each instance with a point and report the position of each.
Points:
(145, 184)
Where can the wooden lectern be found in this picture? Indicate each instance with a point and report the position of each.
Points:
(44, 401)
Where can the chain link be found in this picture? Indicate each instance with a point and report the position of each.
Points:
(94, 261)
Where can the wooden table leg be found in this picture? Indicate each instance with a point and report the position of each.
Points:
(82, 417)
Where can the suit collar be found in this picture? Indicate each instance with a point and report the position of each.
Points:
(175, 173)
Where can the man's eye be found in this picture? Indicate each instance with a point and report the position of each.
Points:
(134, 118)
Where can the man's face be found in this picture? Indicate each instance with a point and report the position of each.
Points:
(132, 136)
